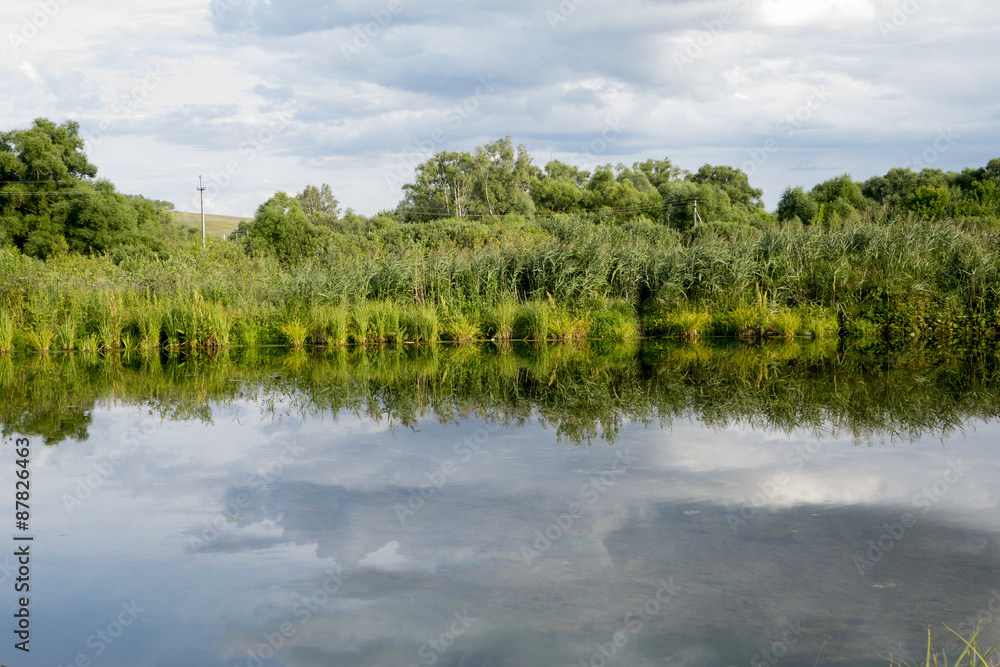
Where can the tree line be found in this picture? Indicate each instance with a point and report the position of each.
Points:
(51, 201)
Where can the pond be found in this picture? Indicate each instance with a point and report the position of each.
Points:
(597, 505)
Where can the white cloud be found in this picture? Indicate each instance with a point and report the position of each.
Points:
(830, 13)
(386, 558)
(29, 71)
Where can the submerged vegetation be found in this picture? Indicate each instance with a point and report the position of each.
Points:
(487, 246)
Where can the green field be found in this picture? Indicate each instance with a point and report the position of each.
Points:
(215, 225)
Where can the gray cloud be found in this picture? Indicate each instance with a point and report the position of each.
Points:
(366, 81)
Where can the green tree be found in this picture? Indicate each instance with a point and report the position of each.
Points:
(714, 205)
(280, 227)
(659, 172)
(797, 203)
(442, 188)
(501, 179)
(734, 182)
(559, 189)
(50, 205)
(99, 219)
(982, 199)
(899, 186)
(39, 168)
(928, 201)
(839, 198)
(319, 204)
(619, 196)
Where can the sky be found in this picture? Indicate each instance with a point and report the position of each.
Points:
(258, 96)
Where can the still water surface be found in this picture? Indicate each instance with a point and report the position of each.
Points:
(261, 514)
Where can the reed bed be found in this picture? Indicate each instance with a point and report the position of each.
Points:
(868, 280)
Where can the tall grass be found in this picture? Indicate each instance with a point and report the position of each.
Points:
(498, 320)
(532, 321)
(295, 332)
(872, 280)
(971, 655)
(6, 331)
(421, 324)
(150, 321)
(685, 324)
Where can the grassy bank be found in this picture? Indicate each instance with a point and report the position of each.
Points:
(216, 226)
(385, 283)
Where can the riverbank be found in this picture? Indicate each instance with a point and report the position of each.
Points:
(390, 283)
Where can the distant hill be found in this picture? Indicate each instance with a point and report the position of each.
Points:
(215, 225)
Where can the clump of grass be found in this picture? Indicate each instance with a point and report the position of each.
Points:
(461, 328)
(819, 323)
(318, 324)
(128, 341)
(421, 324)
(564, 325)
(110, 321)
(613, 325)
(499, 320)
(532, 321)
(785, 324)
(746, 323)
(218, 326)
(40, 338)
(6, 331)
(337, 323)
(688, 325)
(173, 327)
(66, 333)
(109, 334)
(246, 333)
(150, 323)
(295, 333)
(328, 325)
(384, 322)
(360, 322)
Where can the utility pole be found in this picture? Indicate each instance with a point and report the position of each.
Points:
(696, 218)
(201, 190)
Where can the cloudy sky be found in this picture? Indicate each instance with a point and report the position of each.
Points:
(267, 95)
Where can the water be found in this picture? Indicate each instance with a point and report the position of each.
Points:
(691, 506)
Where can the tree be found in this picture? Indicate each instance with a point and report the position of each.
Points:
(39, 168)
(839, 198)
(714, 205)
(734, 182)
(280, 227)
(981, 199)
(797, 203)
(559, 189)
(619, 195)
(899, 185)
(501, 179)
(840, 187)
(928, 201)
(493, 181)
(442, 188)
(50, 205)
(660, 171)
(319, 204)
